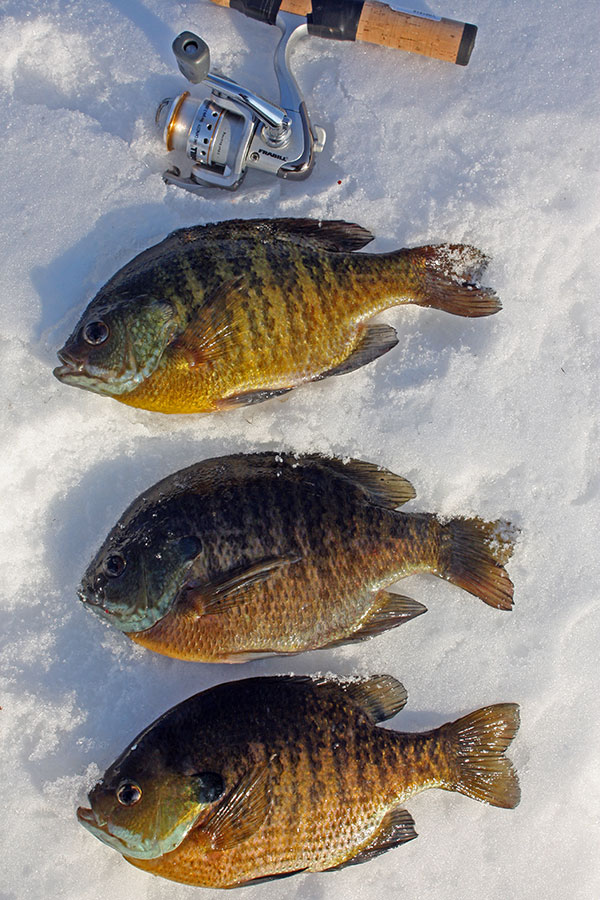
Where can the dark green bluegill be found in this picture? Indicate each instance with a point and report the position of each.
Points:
(225, 315)
(270, 776)
(248, 555)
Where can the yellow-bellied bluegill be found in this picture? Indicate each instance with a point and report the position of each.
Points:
(250, 555)
(270, 776)
(225, 315)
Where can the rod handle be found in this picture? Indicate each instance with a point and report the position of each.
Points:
(422, 33)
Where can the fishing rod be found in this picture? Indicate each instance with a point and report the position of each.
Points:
(233, 129)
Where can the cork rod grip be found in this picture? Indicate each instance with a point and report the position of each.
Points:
(443, 39)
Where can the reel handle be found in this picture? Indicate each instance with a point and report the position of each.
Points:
(422, 33)
(192, 55)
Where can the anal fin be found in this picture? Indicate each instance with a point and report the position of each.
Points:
(265, 878)
(389, 611)
(248, 656)
(248, 398)
(397, 827)
(374, 341)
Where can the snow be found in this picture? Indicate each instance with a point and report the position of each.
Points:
(496, 417)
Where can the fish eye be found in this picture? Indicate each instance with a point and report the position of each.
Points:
(129, 793)
(96, 332)
(114, 565)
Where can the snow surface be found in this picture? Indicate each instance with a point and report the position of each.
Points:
(493, 416)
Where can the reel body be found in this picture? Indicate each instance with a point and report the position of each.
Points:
(233, 129)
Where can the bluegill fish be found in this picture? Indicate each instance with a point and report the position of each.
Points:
(250, 555)
(230, 314)
(270, 776)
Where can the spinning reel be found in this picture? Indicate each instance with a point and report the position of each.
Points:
(234, 129)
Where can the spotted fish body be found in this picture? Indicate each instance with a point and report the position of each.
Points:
(225, 315)
(308, 781)
(251, 555)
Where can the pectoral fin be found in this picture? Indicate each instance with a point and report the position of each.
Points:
(242, 811)
(219, 321)
(196, 599)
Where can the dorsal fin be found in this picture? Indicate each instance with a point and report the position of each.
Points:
(385, 488)
(335, 235)
(381, 696)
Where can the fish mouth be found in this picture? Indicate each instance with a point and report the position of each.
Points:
(88, 597)
(70, 367)
(97, 827)
(74, 371)
(109, 611)
(127, 847)
(67, 373)
(92, 378)
(88, 817)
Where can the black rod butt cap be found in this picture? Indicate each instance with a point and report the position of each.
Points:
(466, 45)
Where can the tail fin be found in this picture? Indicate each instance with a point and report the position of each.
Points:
(476, 745)
(473, 556)
(449, 280)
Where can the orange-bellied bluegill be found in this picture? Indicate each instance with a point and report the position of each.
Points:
(229, 314)
(250, 555)
(270, 776)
